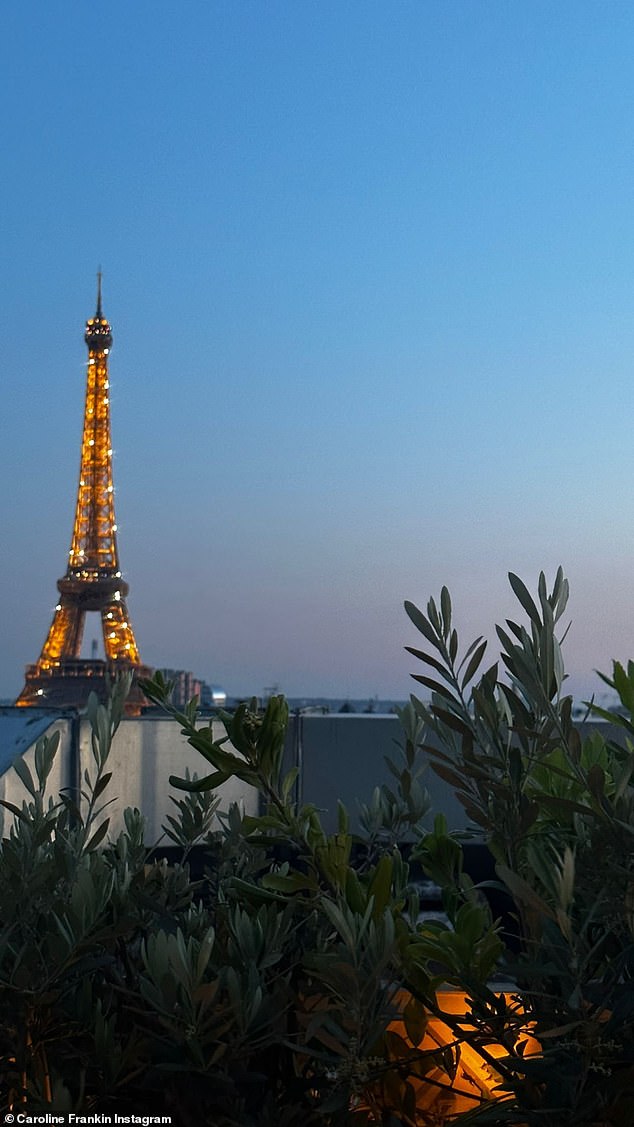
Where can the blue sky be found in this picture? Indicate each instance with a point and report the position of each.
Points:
(369, 271)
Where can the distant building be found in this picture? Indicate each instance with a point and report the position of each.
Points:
(187, 686)
(212, 696)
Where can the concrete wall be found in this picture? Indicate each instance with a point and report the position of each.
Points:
(341, 756)
(145, 752)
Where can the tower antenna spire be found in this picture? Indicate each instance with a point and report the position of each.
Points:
(99, 313)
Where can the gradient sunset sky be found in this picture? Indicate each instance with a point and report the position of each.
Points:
(370, 272)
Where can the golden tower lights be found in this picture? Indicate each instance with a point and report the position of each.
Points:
(93, 580)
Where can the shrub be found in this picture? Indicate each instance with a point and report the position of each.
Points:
(257, 995)
(295, 982)
(557, 812)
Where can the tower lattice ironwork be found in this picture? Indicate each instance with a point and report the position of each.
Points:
(93, 580)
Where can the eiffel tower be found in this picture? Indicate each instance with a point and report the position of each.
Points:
(93, 581)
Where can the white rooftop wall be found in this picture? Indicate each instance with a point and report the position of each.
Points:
(18, 737)
(145, 752)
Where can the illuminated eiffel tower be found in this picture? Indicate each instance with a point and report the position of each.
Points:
(93, 582)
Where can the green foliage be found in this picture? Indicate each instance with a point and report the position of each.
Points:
(393, 815)
(557, 812)
(295, 983)
(261, 994)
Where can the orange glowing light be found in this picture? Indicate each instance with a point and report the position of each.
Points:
(476, 1079)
